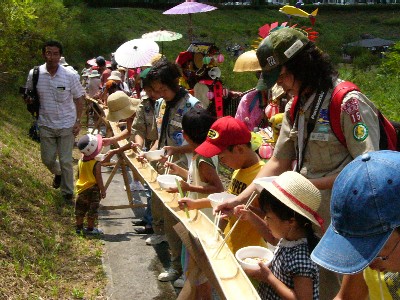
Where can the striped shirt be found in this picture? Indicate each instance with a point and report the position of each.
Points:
(57, 94)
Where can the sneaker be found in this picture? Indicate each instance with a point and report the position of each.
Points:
(169, 275)
(94, 231)
(57, 181)
(144, 230)
(179, 283)
(156, 239)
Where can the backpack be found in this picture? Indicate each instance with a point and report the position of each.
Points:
(389, 130)
(33, 106)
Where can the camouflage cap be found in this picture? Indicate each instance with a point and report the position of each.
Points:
(278, 48)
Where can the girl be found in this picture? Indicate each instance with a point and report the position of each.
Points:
(290, 204)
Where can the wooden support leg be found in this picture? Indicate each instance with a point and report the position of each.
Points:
(125, 176)
(114, 170)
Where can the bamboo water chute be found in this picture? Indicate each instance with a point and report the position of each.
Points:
(223, 271)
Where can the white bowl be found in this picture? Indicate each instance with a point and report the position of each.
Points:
(260, 180)
(154, 155)
(250, 256)
(167, 181)
(217, 198)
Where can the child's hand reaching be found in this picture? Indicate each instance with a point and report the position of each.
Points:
(173, 168)
(240, 210)
(103, 194)
(187, 202)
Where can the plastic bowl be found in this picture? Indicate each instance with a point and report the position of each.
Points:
(217, 198)
(154, 155)
(260, 180)
(167, 181)
(249, 257)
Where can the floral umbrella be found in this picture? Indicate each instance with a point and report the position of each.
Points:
(136, 53)
(189, 7)
(162, 36)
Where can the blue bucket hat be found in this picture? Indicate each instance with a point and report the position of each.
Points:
(365, 208)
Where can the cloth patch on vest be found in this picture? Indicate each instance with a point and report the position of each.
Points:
(351, 108)
(322, 137)
(360, 132)
(323, 117)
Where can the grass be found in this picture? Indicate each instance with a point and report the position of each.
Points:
(40, 256)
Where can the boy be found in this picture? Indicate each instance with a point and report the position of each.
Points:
(89, 186)
(230, 138)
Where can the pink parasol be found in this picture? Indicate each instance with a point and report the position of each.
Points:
(189, 7)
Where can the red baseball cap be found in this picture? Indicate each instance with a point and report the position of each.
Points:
(224, 132)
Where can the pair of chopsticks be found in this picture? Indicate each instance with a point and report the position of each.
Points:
(170, 158)
(178, 184)
(248, 203)
(216, 223)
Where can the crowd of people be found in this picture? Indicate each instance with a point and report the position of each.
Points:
(330, 212)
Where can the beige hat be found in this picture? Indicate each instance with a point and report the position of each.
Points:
(298, 193)
(121, 106)
(115, 75)
(63, 62)
(247, 62)
(94, 73)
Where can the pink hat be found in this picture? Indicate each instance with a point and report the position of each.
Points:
(90, 145)
(224, 132)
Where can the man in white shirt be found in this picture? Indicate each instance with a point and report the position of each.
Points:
(61, 104)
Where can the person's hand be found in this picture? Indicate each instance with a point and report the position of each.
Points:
(187, 202)
(103, 194)
(240, 211)
(173, 168)
(172, 190)
(140, 158)
(170, 150)
(77, 128)
(226, 207)
(262, 274)
(107, 141)
(107, 156)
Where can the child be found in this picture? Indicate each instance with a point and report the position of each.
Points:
(89, 186)
(290, 204)
(202, 180)
(230, 138)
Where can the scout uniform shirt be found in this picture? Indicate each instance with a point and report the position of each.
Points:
(169, 121)
(144, 124)
(324, 154)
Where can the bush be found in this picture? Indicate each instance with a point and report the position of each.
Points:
(391, 61)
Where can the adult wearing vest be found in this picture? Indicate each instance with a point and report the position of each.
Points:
(173, 102)
(307, 144)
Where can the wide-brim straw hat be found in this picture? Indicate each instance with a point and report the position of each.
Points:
(115, 75)
(298, 193)
(121, 106)
(247, 62)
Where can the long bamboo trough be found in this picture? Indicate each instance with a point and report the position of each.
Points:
(227, 277)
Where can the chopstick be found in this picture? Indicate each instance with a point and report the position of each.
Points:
(216, 223)
(170, 158)
(178, 184)
(249, 201)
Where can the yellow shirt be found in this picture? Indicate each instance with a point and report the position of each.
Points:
(390, 284)
(244, 233)
(86, 175)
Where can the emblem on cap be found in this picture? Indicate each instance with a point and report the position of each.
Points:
(212, 134)
(360, 132)
(271, 61)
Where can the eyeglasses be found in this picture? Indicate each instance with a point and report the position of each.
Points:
(386, 257)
